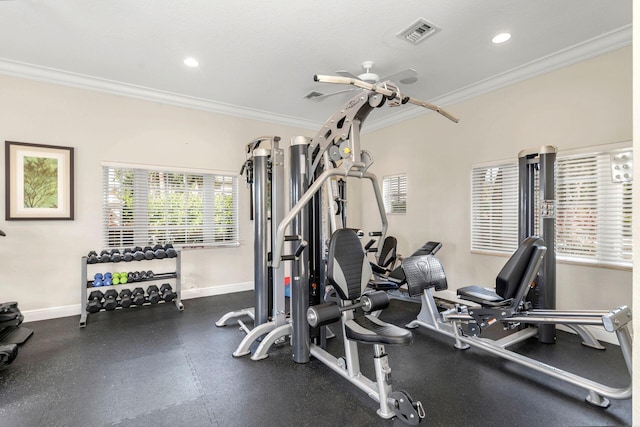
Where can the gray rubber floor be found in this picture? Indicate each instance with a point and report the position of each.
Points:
(155, 366)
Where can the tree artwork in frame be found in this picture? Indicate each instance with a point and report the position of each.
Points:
(39, 182)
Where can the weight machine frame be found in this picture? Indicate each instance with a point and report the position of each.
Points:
(337, 142)
(264, 168)
(543, 316)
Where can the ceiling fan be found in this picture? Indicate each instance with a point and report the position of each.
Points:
(407, 76)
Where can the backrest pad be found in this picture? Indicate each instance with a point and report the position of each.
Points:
(348, 269)
(387, 254)
(510, 279)
(423, 272)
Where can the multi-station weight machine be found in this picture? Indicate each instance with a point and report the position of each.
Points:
(524, 300)
(264, 171)
(315, 167)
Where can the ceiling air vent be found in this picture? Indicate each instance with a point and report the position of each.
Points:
(418, 31)
(313, 94)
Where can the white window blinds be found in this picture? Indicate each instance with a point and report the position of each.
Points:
(147, 207)
(394, 193)
(593, 215)
(494, 208)
(593, 208)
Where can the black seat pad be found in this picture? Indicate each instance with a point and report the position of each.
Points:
(369, 329)
(482, 296)
(480, 292)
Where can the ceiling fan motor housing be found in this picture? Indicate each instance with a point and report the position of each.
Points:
(369, 77)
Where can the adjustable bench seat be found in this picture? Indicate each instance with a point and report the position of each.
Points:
(514, 280)
(347, 271)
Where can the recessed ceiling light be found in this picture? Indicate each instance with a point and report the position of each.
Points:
(191, 62)
(501, 38)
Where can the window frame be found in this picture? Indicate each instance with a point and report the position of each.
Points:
(624, 260)
(213, 183)
(507, 242)
(399, 181)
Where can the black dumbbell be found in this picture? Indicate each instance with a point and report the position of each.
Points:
(110, 300)
(125, 298)
(148, 252)
(153, 294)
(138, 254)
(127, 255)
(158, 252)
(92, 257)
(95, 301)
(137, 297)
(115, 255)
(105, 256)
(146, 275)
(170, 251)
(166, 293)
(131, 276)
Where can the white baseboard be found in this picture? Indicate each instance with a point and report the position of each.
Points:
(74, 310)
(216, 290)
(51, 313)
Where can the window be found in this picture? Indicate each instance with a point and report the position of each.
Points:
(593, 214)
(593, 208)
(394, 193)
(147, 207)
(494, 208)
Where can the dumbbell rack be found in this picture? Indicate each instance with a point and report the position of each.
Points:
(86, 283)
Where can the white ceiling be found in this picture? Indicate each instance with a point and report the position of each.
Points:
(258, 58)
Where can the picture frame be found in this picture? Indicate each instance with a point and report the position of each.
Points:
(39, 181)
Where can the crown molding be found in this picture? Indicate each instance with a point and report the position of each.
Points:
(580, 52)
(81, 81)
(597, 46)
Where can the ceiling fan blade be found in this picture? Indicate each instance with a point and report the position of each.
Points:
(345, 73)
(326, 95)
(407, 76)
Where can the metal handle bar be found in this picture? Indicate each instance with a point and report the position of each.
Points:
(301, 247)
(379, 89)
(306, 197)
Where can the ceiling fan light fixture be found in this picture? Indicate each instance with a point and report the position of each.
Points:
(369, 77)
(500, 38)
(191, 62)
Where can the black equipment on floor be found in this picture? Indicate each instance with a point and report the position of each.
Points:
(11, 334)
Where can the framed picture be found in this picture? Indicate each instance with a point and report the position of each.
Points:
(39, 182)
